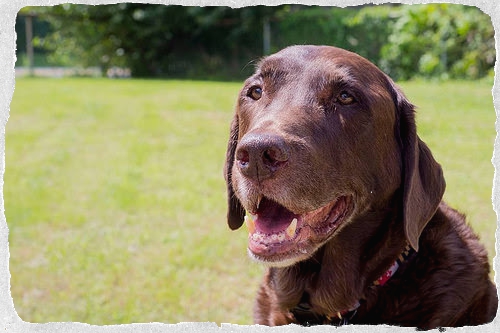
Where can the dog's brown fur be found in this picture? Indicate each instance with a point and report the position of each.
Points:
(318, 123)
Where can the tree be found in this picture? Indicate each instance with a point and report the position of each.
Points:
(153, 40)
(435, 40)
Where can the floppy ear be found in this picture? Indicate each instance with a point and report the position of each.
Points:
(423, 182)
(236, 212)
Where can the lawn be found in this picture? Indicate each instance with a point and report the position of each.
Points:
(115, 198)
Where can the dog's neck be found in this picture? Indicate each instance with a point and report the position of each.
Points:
(305, 315)
(337, 276)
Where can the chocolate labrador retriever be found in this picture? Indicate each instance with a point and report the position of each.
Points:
(343, 201)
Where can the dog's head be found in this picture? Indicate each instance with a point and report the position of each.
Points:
(320, 135)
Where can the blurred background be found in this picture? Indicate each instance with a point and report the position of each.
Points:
(138, 40)
(117, 133)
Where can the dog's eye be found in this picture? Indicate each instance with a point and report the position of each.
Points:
(255, 93)
(345, 98)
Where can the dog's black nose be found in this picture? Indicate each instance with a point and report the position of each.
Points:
(259, 156)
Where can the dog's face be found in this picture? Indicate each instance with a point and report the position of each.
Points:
(315, 142)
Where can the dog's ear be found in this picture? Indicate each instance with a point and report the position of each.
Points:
(423, 181)
(236, 212)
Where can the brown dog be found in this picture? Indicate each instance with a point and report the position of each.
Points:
(344, 201)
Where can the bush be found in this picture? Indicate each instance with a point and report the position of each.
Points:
(439, 40)
(430, 41)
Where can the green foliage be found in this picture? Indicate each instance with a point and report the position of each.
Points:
(361, 30)
(406, 41)
(439, 40)
(153, 40)
(294, 26)
(131, 35)
(369, 29)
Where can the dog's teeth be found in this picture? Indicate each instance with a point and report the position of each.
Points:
(290, 230)
(249, 221)
(259, 198)
(258, 237)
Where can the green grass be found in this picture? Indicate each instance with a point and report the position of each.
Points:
(457, 121)
(115, 199)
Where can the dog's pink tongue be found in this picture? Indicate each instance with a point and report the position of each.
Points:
(272, 217)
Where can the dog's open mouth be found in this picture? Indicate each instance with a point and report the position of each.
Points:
(278, 236)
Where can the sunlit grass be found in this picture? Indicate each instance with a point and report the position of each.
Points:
(457, 120)
(115, 199)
